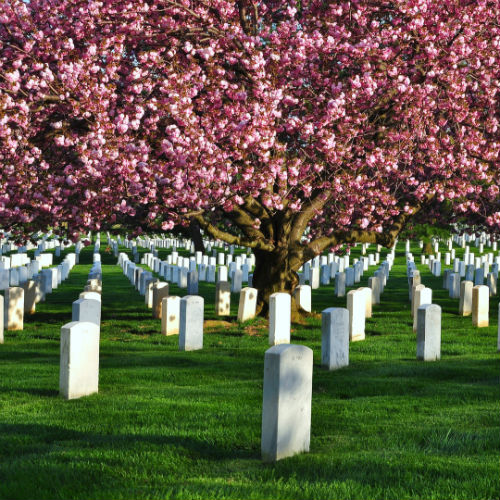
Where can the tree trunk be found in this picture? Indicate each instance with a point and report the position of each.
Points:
(273, 273)
(196, 238)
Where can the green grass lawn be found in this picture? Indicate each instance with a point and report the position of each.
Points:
(170, 424)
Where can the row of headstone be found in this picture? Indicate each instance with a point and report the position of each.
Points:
(151, 243)
(426, 316)
(473, 300)
(179, 316)
(88, 307)
(473, 295)
(20, 300)
(352, 275)
(17, 275)
(314, 271)
(479, 241)
(223, 257)
(19, 257)
(79, 349)
(322, 269)
(450, 259)
(42, 245)
(247, 305)
(187, 273)
(248, 295)
(288, 368)
(469, 258)
(199, 259)
(475, 275)
(359, 303)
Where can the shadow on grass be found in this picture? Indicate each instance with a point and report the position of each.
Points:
(222, 362)
(51, 317)
(35, 434)
(60, 450)
(29, 356)
(46, 393)
(408, 378)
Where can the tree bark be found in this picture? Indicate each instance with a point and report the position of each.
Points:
(275, 272)
(196, 238)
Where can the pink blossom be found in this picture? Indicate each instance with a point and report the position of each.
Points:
(124, 105)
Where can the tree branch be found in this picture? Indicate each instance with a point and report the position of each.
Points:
(245, 222)
(387, 238)
(255, 16)
(250, 242)
(301, 220)
(183, 7)
(244, 21)
(254, 208)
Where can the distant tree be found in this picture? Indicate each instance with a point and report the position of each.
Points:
(426, 232)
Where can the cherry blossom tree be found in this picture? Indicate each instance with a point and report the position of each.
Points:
(289, 127)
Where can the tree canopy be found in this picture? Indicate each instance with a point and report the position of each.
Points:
(258, 119)
(150, 110)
